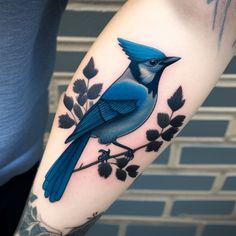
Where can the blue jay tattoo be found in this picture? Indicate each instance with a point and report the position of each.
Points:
(121, 109)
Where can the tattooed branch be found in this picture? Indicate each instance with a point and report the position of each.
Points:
(169, 126)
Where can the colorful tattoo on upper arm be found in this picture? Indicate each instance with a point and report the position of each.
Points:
(122, 108)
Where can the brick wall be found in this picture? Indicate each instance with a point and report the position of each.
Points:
(190, 189)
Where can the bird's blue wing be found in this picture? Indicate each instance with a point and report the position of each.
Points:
(118, 101)
(102, 112)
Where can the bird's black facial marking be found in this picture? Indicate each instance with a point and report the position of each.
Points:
(152, 86)
(135, 71)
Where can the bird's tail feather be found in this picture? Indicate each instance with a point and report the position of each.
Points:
(60, 172)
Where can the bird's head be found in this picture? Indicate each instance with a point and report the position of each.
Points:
(147, 63)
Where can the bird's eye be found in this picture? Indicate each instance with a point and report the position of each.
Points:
(153, 62)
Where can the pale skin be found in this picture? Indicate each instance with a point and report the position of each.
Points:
(182, 29)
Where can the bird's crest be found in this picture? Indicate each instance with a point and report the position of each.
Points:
(138, 52)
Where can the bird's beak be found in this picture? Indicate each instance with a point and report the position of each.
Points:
(169, 60)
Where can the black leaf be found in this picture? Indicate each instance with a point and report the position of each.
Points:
(177, 121)
(163, 120)
(104, 169)
(78, 112)
(122, 162)
(133, 174)
(68, 102)
(65, 121)
(169, 134)
(176, 101)
(152, 134)
(80, 86)
(121, 174)
(82, 99)
(153, 146)
(132, 170)
(94, 91)
(90, 71)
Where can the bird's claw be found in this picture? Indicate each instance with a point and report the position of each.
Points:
(104, 155)
(129, 154)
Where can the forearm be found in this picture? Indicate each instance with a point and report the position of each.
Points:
(104, 120)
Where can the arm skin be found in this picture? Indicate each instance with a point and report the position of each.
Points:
(198, 32)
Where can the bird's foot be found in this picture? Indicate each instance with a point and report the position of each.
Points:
(129, 154)
(104, 155)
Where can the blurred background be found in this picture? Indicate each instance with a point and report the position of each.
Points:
(190, 190)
